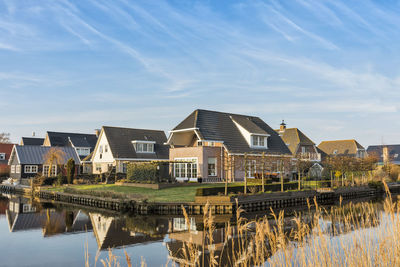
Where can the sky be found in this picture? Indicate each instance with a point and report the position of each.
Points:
(329, 68)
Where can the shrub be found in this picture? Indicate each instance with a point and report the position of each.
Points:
(376, 184)
(70, 170)
(142, 172)
(61, 179)
(43, 180)
(214, 191)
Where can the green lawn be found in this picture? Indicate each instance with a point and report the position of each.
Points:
(174, 194)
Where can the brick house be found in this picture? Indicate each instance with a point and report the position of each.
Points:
(5, 153)
(350, 148)
(212, 146)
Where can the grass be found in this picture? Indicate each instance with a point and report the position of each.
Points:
(173, 194)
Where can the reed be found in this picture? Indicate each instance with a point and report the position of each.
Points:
(362, 234)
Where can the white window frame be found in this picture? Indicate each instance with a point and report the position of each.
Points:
(46, 170)
(251, 168)
(215, 166)
(83, 151)
(30, 168)
(185, 167)
(2, 156)
(18, 169)
(140, 145)
(12, 169)
(259, 141)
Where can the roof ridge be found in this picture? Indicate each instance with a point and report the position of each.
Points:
(227, 113)
(117, 127)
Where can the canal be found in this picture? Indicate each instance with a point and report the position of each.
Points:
(44, 234)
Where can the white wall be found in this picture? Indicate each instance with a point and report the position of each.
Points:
(107, 157)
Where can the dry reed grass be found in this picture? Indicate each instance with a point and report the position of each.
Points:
(359, 234)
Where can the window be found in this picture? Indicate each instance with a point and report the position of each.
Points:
(53, 170)
(2, 156)
(18, 169)
(124, 167)
(12, 168)
(303, 149)
(187, 169)
(98, 167)
(143, 146)
(105, 148)
(31, 168)
(101, 148)
(251, 168)
(258, 140)
(396, 156)
(212, 166)
(83, 151)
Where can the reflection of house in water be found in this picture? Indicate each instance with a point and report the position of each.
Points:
(23, 216)
(112, 232)
(225, 247)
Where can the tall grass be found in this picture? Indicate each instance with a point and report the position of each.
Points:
(361, 234)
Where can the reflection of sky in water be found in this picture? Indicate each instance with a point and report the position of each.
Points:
(368, 237)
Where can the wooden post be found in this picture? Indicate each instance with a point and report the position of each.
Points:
(263, 170)
(281, 170)
(245, 173)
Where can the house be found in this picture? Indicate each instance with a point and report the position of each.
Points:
(299, 144)
(5, 152)
(116, 146)
(83, 143)
(385, 153)
(31, 141)
(212, 145)
(350, 148)
(27, 161)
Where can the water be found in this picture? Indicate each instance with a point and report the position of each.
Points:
(34, 234)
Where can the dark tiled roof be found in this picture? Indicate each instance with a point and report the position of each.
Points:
(343, 147)
(32, 141)
(219, 126)
(120, 141)
(293, 137)
(77, 139)
(377, 150)
(35, 154)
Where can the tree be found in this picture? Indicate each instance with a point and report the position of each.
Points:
(70, 170)
(54, 157)
(5, 138)
(302, 165)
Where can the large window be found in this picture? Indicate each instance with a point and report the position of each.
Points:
(12, 168)
(31, 168)
(212, 166)
(53, 170)
(18, 169)
(2, 156)
(187, 168)
(143, 146)
(259, 141)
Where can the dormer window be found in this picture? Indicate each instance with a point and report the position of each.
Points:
(259, 141)
(143, 146)
(83, 151)
(2, 156)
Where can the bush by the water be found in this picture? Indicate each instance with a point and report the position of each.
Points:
(142, 173)
(214, 191)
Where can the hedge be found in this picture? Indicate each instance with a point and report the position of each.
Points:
(142, 173)
(213, 191)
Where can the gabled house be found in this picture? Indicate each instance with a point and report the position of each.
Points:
(27, 161)
(83, 143)
(299, 144)
(203, 143)
(116, 146)
(31, 141)
(5, 153)
(385, 153)
(350, 148)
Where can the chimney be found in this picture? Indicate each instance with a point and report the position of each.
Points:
(283, 127)
(97, 132)
(33, 134)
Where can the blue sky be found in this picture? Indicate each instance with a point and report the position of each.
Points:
(330, 68)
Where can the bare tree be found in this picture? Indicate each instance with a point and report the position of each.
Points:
(5, 138)
(54, 157)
